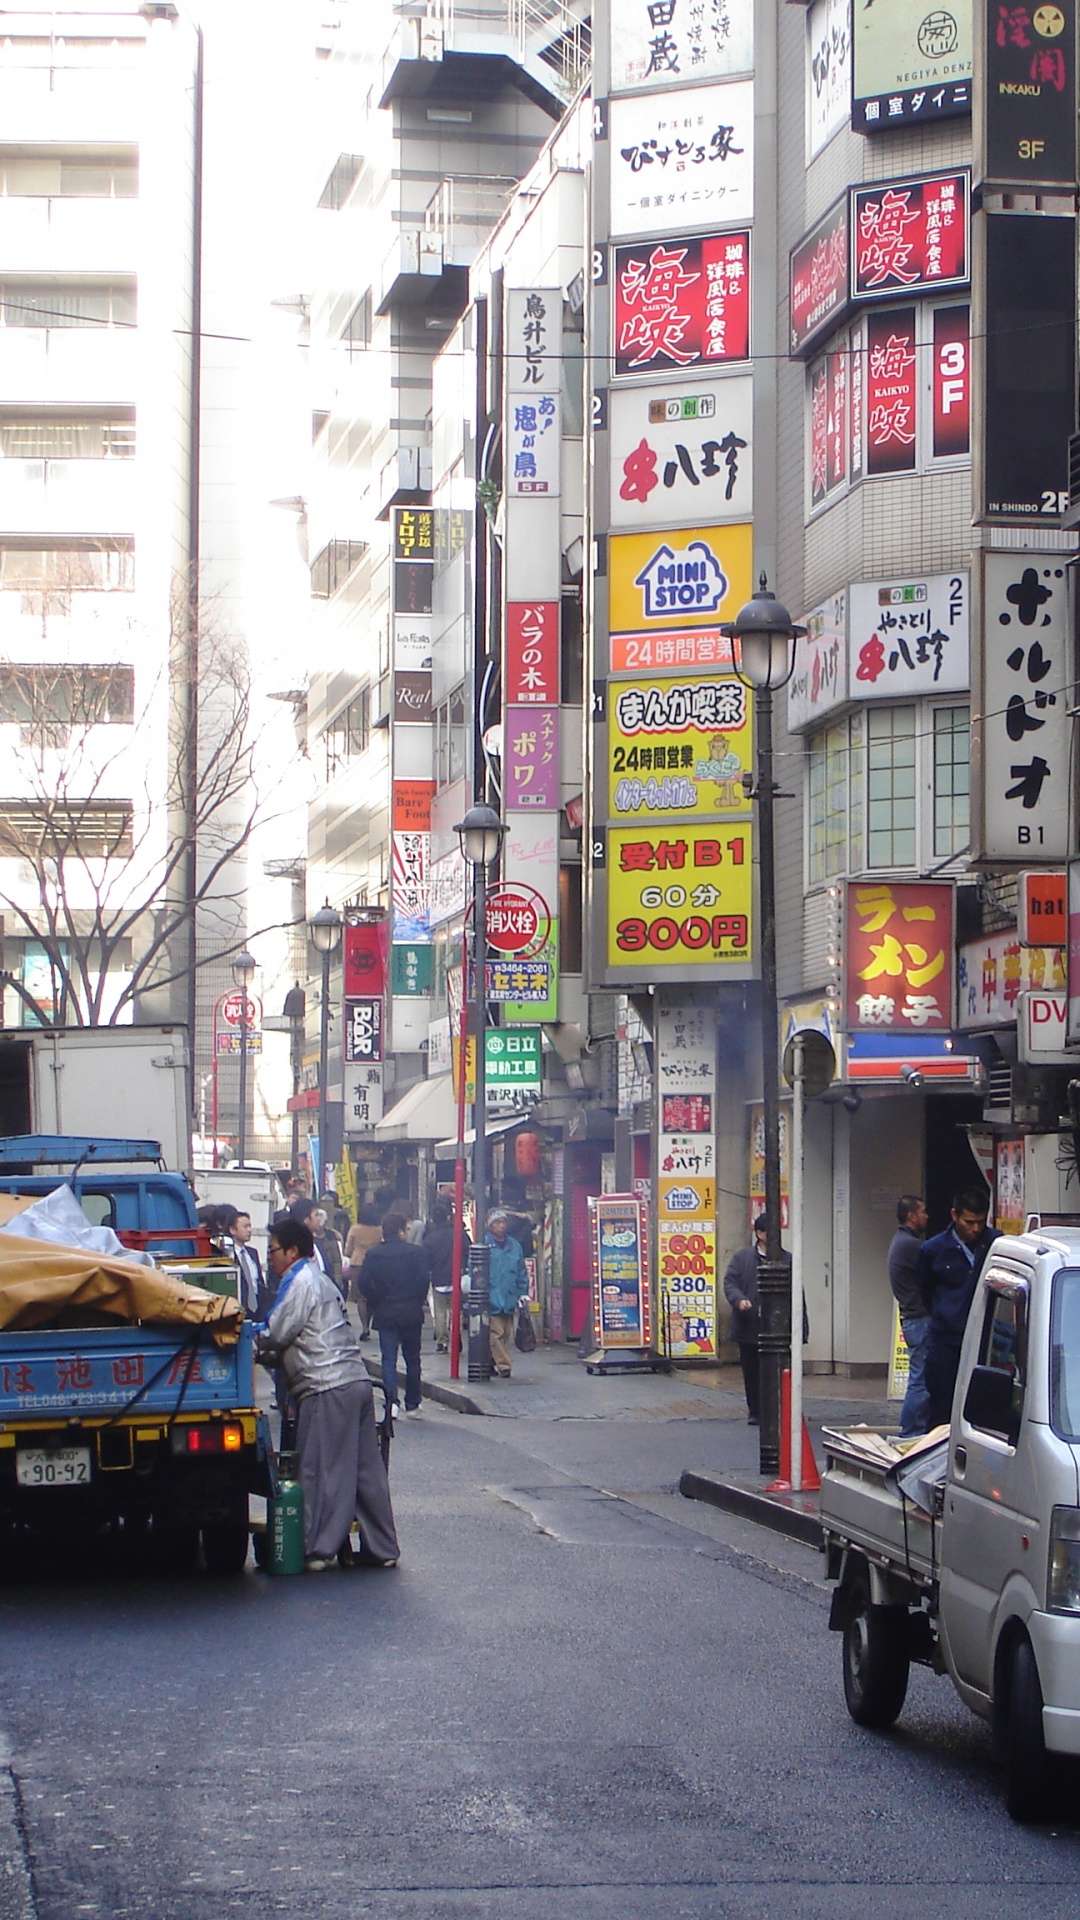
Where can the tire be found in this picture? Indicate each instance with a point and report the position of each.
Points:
(876, 1661)
(1028, 1766)
(174, 1547)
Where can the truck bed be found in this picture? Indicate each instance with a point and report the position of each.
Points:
(99, 1371)
(861, 1507)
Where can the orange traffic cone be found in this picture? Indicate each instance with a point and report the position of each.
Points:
(811, 1478)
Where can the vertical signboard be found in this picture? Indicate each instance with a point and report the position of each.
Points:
(1025, 131)
(820, 680)
(681, 158)
(620, 1272)
(685, 1173)
(828, 65)
(658, 44)
(1028, 367)
(899, 939)
(1072, 956)
(1021, 691)
(891, 391)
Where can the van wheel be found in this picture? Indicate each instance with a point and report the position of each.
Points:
(1028, 1769)
(876, 1662)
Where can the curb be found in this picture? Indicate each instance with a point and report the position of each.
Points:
(768, 1510)
(454, 1397)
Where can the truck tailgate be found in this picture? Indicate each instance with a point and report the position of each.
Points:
(860, 1507)
(92, 1371)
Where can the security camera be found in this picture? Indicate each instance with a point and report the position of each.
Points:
(911, 1076)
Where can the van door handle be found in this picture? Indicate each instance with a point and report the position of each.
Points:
(960, 1459)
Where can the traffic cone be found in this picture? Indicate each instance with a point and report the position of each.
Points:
(811, 1478)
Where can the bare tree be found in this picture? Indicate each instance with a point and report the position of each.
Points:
(133, 798)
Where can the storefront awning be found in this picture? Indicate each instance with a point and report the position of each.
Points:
(425, 1112)
(447, 1149)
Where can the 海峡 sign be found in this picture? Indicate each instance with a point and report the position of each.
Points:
(909, 236)
(819, 280)
(682, 304)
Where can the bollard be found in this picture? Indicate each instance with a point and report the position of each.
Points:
(285, 1514)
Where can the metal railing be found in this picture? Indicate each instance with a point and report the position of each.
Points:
(555, 33)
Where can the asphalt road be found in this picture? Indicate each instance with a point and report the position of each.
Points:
(563, 1706)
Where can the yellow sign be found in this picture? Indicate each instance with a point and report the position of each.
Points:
(757, 1163)
(470, 1067)
(679, 896)
(898, 1359)
(695, 578)
(687, 1198)
(678, 747)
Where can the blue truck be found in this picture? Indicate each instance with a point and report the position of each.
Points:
(147, 1434)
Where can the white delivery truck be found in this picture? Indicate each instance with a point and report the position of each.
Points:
(123, 1082)
(253, 1188)
(964, 1555)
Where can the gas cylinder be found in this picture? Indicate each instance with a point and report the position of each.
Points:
(285, 1516)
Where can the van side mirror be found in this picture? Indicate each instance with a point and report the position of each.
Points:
(989, 1402)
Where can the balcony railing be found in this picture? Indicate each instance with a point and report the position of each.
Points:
(551, 38)
(461, 213)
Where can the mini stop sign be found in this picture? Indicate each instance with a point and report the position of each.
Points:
(516, 920)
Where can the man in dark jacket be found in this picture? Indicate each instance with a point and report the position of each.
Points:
(904, 1250)
(394, 1279)
(438, 1244)
(948, 1270)
(741, 1288)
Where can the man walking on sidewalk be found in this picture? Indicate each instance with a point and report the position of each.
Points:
(741, 1288)
(904, 1252)
(394, 1279)
(508, 1284)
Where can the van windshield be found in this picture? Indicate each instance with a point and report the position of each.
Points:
(1065, 1355)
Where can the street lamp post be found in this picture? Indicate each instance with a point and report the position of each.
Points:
(325, 930)
(243, 972)
(481, 834)
(764, 639)
(294, 1010)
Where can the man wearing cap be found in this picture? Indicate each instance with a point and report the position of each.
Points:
(508, 1283)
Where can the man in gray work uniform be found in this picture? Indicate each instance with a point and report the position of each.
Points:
(914, 1320)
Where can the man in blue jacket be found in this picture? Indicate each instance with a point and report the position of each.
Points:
(947, 1273)
(508, 1283)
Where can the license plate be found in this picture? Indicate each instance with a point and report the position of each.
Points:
(52, 1467)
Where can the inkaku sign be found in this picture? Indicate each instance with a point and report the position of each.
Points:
(1029, 116)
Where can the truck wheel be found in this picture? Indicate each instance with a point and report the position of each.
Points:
(174, 1547)
(1028, 1768)
(876, 1663)
(225, 1544)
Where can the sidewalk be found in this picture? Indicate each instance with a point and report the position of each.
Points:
(553, 1384)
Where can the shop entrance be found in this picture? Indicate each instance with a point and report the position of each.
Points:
(950, 1162)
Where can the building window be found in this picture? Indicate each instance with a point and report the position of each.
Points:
(68, 566)
(349, 733)
(55, 433)
(67, 696)
(81, 173)
(887, 791)
(890, 787)
(451, 739)
(51, 830)
(67, 303)
(344, 175)
(952, 780)
(356, 333)
(331, 568)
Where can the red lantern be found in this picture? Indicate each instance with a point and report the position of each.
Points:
(527, 1155)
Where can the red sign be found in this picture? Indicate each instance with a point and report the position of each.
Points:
(819, 434)
(890, 392)
(1041, 909)
(910, 236)
(532, 653)
(365, 960)
(232, 1011)
(412, 805)
(682, 304)
(899, 956)
(819, 279)
(837, 420)
(952, 382)
(517, 920)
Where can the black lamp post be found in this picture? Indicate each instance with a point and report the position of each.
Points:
(481, 836)
(764, 637)
(294, 1010)
(324, 928)
(243, 972)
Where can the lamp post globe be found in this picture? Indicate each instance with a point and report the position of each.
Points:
(481, 834)
(764, 635)
(324, 928)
